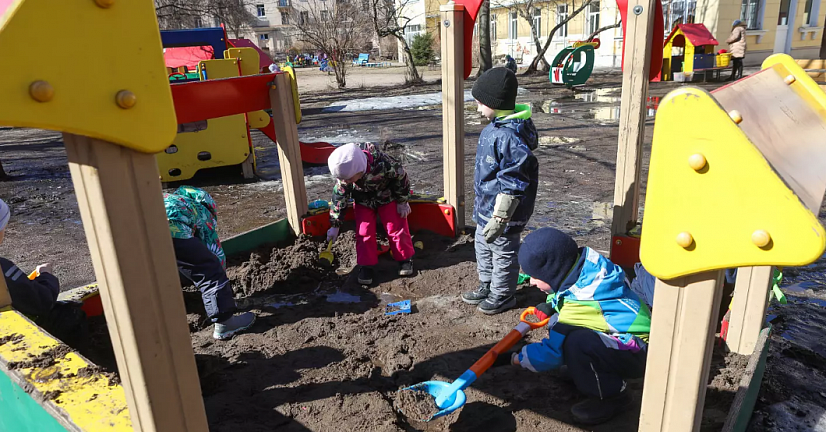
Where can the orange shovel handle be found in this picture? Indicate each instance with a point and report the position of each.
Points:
(534, 325)
(486, 361)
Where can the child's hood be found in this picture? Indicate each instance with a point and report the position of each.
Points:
(520, 121)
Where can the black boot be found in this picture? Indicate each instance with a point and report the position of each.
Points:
(476, 296)
(595, 411)
(493, 306)
(365, 276)
(406, 268)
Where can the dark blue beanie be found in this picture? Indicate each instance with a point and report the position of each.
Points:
(548, 254)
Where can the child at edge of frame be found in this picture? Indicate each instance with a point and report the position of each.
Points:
(379, 186)
(505, 181)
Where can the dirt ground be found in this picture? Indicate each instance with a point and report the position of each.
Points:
(323, 356)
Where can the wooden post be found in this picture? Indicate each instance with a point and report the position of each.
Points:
(453, 108)
(119, 195)
(632, 114)
(289, 150)
(748, 308)
(679, 352)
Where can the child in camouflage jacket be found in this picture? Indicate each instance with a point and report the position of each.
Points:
(379, 186)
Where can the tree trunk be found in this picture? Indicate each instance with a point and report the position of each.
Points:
(413, 73)
(485, 57)
(3, 175)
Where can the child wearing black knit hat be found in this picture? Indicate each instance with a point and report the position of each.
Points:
(505, 182)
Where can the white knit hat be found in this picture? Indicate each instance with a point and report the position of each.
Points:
(5, 214)
(347, 161)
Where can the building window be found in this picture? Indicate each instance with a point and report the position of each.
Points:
(410, 32)
(285, 18)
(810, 13)
(593, 17)
(304, 18)
(749, 12)
(561, 16)
(493, 34)
(512, 29)
(537, 21)
(199, 22)
(681, 12)
(262, 11)
(324, 16)
(264, 36)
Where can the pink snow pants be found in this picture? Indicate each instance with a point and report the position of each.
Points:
(397, 229)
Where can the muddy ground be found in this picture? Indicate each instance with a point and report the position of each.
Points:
(321, 360)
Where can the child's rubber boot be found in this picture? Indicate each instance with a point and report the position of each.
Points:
(492, 306)
(235, 324)
(365, 276)
(478, 295)
(595, 411)
(406, 268)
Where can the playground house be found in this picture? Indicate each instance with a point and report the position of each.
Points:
(689, 48)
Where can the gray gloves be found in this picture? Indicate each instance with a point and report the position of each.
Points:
(502, 212)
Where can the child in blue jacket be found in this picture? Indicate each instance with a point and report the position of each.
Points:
(599, 326)
(505, 182)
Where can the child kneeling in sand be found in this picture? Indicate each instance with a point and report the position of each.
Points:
(599, 327)
(379, 186)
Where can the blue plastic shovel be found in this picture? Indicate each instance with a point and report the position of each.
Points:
(450, 397)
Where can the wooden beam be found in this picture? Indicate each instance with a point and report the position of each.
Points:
(119, 195)
(679, 352)
(453, 108)
(289, 150)
(632, 114)
(748, 308)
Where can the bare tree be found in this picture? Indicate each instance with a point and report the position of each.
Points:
(181, 14)
(527, 9)
(602, 29)
(485, 57)
(390, 18)
(335, 28)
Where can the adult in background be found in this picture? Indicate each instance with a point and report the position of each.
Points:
(737, 47)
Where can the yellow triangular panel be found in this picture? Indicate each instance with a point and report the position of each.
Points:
(40, 40)
(721, 205)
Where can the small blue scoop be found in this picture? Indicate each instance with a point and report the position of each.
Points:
(434, 388)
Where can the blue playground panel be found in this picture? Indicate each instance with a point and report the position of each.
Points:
(213, 36)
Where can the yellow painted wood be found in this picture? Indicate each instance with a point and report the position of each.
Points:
(127, 55)
(296, 101)
(722, 205)
(258, 119)
(249, 59)
(219, 68)
(89, 403)
(813, 93)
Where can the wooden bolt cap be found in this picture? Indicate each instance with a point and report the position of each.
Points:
(447, 212)
(105, 4)
(126, 99)
(790, 79)
(41, 91)
(697, 161)
(736, 116)
(761, 238)
(684, 239)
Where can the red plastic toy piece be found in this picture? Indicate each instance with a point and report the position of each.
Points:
(471, 11)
